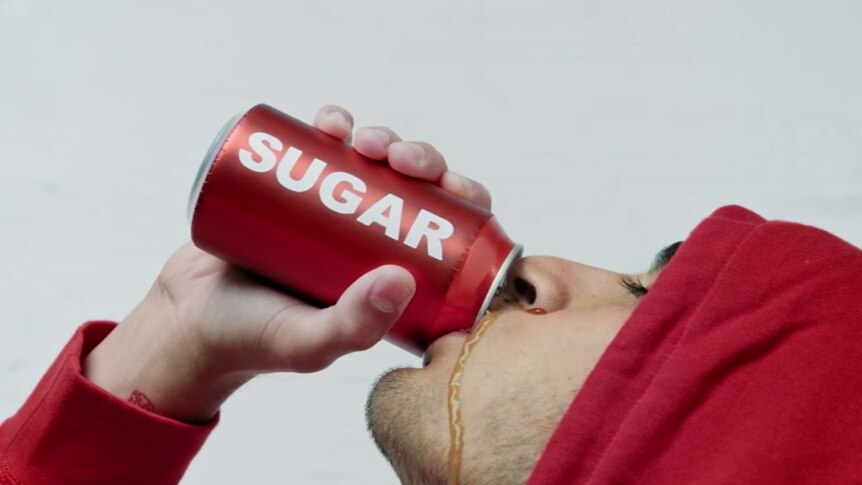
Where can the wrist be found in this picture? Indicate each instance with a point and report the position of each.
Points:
(155, 363)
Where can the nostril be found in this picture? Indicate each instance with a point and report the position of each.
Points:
(525, 290)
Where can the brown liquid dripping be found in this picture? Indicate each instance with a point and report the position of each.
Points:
(456, 426)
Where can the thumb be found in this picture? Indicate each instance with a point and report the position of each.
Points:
(361, 317)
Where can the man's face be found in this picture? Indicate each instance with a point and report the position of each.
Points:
(520, 377)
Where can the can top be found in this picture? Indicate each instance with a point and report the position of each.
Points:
(499, 283)
(207, 163)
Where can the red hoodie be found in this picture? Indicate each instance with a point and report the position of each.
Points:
(742, 365)
(70, 432)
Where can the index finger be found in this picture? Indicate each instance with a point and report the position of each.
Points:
(334, 121)
(417, 159)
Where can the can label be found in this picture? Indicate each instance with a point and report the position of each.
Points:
(284, 200)
(342, 193)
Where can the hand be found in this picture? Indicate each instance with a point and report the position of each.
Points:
(205, 327)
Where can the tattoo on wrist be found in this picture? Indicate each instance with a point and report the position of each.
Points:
(141, 400)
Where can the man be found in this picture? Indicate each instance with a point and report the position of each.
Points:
(734, 359)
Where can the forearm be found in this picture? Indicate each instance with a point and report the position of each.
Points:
(70, 431)
(152, 362)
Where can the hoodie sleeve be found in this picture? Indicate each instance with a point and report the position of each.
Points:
(70, 431)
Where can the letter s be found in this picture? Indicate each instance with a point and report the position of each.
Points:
(265, 146)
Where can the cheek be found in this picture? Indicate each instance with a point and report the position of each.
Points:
(557, 350)
(525, 373)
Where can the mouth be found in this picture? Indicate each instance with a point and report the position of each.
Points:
(456, 339)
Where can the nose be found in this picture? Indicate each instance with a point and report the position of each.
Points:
(537, 282)
(550, 284)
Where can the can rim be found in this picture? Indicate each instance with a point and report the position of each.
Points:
(499, 280)
(206, 164)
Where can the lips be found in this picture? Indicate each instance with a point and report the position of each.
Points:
(453, 339)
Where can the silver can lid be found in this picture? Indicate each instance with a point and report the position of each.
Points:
(499, 283)
(206, 164)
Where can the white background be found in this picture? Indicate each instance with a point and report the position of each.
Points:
(605, 129)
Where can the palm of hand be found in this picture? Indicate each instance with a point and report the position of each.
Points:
(230, 313)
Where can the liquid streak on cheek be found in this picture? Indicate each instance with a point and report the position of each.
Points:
(456, 425)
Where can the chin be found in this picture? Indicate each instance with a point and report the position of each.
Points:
(389, 393)
(406, 416)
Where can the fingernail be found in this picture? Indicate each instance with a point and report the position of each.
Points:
(381, 139)
(388, 295)
(417, 152)
(338, 117)
(467, 185)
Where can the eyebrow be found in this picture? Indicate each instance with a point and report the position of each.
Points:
(664, 256)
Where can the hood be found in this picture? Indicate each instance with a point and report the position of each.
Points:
(743, 364)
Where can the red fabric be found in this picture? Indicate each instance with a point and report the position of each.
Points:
(743, 365)
(71, 432)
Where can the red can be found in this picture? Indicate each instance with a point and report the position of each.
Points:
(284, 200)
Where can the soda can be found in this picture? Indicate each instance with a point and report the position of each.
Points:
(286, 201)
